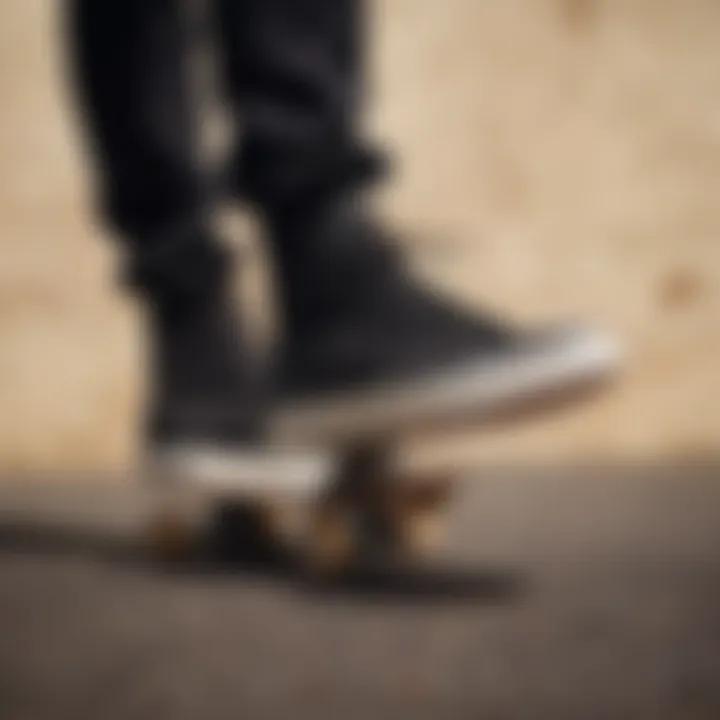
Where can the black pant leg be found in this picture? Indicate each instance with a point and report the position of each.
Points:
(130, 66)
(295, 77)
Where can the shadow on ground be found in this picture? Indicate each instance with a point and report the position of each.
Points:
(427, 583)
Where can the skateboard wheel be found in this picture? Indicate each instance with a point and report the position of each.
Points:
(415, 516)
(245, 531)
(172, 537)
(332, 542)
(420, 535)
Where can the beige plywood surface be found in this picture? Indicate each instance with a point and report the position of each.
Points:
(566, 155)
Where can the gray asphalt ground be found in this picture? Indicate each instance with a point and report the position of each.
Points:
(579, 593)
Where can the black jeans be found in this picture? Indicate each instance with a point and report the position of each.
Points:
(292, 77)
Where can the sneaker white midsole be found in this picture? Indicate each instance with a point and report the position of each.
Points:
(481, 388)
(213, 469)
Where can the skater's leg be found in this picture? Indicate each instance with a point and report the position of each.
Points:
(132, 83)
(293, 73)
(361, 332)
(129, 62)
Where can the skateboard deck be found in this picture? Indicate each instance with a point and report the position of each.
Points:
(365, 511)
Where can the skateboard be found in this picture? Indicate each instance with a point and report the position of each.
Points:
(366, 512)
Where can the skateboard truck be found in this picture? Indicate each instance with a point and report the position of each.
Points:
(367, 513)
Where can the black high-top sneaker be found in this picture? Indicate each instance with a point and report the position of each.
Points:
(369, 350)
(208, 401)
